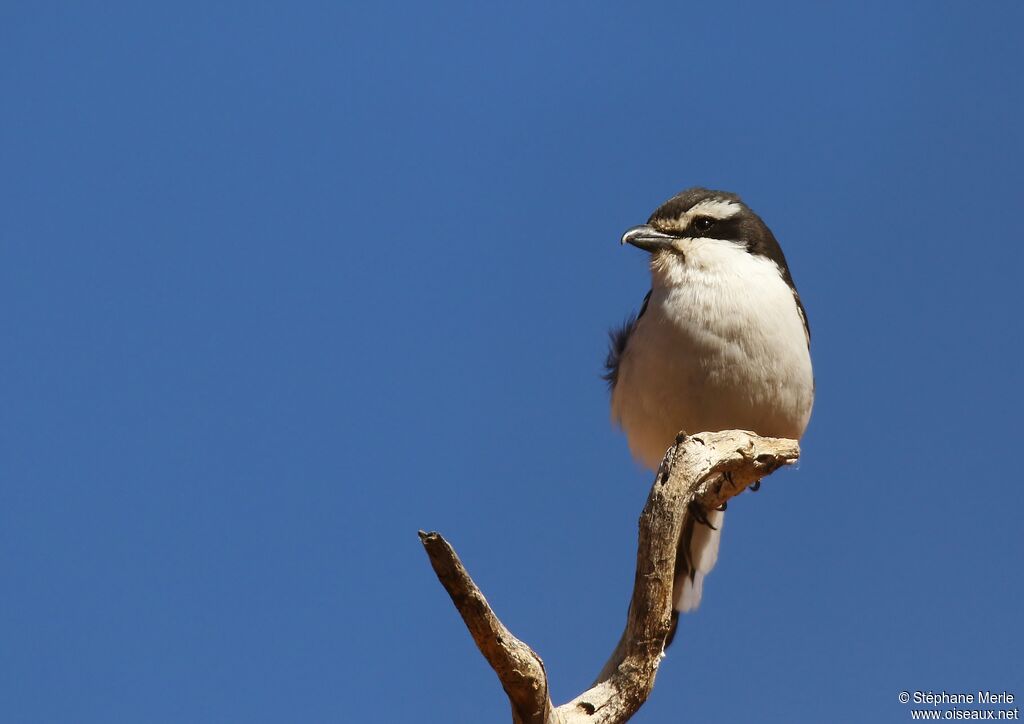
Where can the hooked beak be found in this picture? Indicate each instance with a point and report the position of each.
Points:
(647, 238)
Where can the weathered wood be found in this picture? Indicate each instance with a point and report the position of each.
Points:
(699, 471)
(519, 669)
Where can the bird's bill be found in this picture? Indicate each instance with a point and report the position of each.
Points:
(647, 238)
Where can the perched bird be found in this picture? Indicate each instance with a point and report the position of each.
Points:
(721, 343)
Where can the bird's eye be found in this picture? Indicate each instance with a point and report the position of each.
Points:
(703, 223)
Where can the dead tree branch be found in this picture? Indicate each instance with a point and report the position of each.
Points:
(704, 470)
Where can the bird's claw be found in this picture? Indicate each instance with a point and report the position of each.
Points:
(700, 514)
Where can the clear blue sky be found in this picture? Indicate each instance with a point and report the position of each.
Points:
(281, 285)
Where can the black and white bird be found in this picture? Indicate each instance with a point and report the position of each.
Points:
(721, 343)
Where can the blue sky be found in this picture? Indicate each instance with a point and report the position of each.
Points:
(282, 285)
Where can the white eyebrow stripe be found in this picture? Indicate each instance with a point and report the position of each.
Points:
(720, 209)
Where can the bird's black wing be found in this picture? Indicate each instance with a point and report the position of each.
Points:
(618, 338)
(803, 316)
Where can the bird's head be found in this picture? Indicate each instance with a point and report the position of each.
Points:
(700, 225)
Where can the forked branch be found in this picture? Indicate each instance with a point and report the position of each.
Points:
(700, 472)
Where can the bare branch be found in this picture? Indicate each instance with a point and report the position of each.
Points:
(519, 669)
(703, 470)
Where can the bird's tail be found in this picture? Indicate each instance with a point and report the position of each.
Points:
(698, 551)
(696, 556)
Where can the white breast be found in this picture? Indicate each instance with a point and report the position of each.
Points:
(721, 346)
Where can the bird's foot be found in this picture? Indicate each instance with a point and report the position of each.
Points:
(662, 475)
(727, 475)
(755, 486)
(700, 514)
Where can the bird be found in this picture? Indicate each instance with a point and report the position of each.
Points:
(721, 342)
